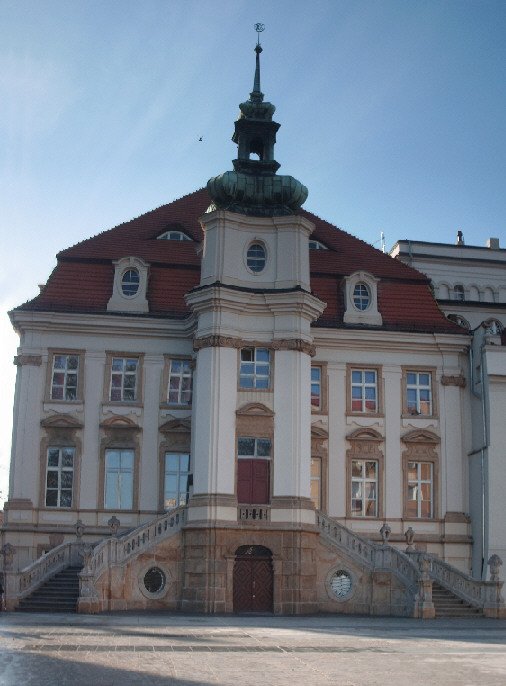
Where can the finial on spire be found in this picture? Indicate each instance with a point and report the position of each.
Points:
(258, 49)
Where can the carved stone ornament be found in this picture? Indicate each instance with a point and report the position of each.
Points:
(230, 342)
(385, 532)
(34, 360)
(410, 537)
(495, 564)
(86, 553)
(8, 551)
(457, 380)
(114, 524)
(79, 529)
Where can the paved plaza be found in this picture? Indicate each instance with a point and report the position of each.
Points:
(166, 650)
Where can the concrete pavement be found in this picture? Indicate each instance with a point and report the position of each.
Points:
(187, 650)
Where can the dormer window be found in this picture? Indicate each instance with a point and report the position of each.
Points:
(316, 245)
(458, 292)
(361, 296)
(130, 282)
(256, 257)
(174, 236)
(361, 300)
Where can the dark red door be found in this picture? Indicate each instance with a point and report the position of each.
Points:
(253, 482)
(253, 580)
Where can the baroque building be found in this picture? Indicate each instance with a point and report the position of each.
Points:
(228, 404)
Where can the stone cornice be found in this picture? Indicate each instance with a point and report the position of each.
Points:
(296, 344)
(457, 380)
(34, 360)
(390, 341)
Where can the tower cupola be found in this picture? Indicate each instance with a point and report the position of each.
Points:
(254, 188)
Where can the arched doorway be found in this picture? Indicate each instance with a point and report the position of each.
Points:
(253, 579)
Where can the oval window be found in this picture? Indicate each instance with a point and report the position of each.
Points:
(255, 257)
(130, 282)
(154, 580)
(341, 584)
(361, 296)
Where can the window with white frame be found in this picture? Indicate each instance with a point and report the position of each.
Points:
(419, 392)
(124, 372)
(316, 245)
(59, 476)
(179, 391)
(174, 236)
(119, 479)
(364, 488)
(255, 368)
(177, 480)
(130, 282)
(361, 296)
(364, 390)
(256, 257)
(253, 470)
(316, 387)
(420, 490)
(64, 378)
(458, 292)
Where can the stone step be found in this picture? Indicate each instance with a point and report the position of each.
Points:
(58, 594)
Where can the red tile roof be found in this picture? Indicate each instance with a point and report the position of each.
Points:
(82, 280)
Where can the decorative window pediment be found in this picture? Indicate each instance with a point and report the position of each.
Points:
(254, 410)
(61, 421)
(319, 431)
(120, 423)
(129, 286)
(365, 434)
(421, 436)
(361, 299)
(176, 426)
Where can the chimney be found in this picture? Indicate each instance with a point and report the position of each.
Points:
(460, 238)
(493, 243)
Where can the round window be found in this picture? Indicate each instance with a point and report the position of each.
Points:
(154, 580)
(341, 584)
(255, 257)
(361, 296)
(130, 282)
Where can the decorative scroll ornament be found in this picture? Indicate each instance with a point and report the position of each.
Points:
(457, 380)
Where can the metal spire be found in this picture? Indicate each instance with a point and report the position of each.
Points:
(258, 49)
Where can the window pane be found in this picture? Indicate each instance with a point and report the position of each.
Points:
(411, 378)
(356, 376)
(356, 468)
(370, 470)
(66, 498)
(262, 383)
(131, 365)
(412, 508)
(412, 471)
(117, 364)
(263, 447)
(426, 471)
(184, 463)
(53, 457)
(67, 457)
(247, 355)
(262, 355)
(171, 462)
(424, 379)
(51, 498)
(356, 392)
(58, 378)
(371, 508)
(426, 508)
(370, 377)
(66, 479)
(315, 373)
(52, 479)
(112, 459)
(246, 446)
(57, 393)
(171, 483)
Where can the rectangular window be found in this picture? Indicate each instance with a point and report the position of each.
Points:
(316, 388)
(364, 488)
(64, 377)
(124, 379)
(419, 393)
(119, 479)
(59, 477)
(179, 390)
(316, 482)
(420, 489)
(364, 390)
(177, 480)
(253, 470)
(255, 368)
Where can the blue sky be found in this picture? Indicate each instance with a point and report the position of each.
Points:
(392, 113)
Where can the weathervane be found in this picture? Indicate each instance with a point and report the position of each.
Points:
(259, 28)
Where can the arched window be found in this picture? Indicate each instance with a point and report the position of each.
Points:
(256, 257)
(130, 282)
(458, 319)
(361, 296)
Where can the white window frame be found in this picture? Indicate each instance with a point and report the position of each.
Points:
(419, 387)
(256, 442)
(124, 374)
(67, 373)
(118, 475)
(60, 469)
(363, 385)
(417, 484)
(256, 375)
(174, 235)
(180, 496)
(353, 315)
(183, 374)
(364, 482)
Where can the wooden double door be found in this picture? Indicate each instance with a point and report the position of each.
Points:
(253, 580)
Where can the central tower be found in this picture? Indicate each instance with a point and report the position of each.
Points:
(251, 411)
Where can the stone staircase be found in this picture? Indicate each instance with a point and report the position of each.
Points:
(447, 604)
(57, 594)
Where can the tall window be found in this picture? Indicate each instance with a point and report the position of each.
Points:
(316, 482)
(64, 377)
(419, 393)
(59, 477)
(364, 390)
(364, 488)
(255, 368)
(420, 490)
(361, 296)
(253, 470)
(119, 479)
(316, 388)
(124, 378)
(256, 257)
(180, 383)
(177, 480)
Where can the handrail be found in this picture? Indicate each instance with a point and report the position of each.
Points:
(46, 566)
(377, 557)
(474, 591)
